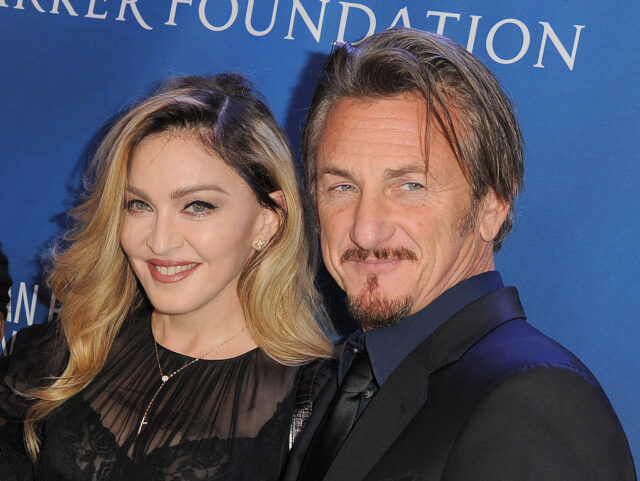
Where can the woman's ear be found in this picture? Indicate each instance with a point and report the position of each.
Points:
(492, 215)
(270, 221)
(280, 199)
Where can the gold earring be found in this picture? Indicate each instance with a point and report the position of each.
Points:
(260, 244)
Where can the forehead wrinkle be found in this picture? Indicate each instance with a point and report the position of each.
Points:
(408, 136)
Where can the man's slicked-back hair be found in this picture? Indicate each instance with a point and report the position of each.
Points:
(461, 95)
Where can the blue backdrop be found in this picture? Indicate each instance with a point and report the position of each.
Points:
(68, 66)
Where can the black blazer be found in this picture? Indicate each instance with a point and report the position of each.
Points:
(485, 397)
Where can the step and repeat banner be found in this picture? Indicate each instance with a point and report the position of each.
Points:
(67, 67)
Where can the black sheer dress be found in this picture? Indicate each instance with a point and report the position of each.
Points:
(215, 420)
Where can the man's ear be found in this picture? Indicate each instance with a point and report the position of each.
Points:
(270, 221)
(493, 212)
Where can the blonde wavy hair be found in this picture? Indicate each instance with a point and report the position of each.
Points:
(94, 280)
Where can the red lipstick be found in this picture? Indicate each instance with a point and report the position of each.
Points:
(169, 271)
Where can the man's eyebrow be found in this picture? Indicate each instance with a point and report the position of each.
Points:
(337, 172)
(409, 169)
(185, 191)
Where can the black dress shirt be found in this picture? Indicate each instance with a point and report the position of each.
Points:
(386, 347)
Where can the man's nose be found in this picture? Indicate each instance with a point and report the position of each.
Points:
(165, 235)
(372, 224)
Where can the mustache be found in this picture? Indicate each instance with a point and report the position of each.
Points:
(385, 253)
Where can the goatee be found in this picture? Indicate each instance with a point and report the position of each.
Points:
(373, 310)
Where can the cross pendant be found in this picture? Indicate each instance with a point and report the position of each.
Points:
(142, 422)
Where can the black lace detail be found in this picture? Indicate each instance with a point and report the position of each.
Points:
(80, 447)
(216, 420)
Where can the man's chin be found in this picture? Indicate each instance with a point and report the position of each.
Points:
(373, 312)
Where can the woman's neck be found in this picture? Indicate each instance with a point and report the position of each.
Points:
(218, 331)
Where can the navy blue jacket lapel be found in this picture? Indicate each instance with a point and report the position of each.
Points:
(405, 391)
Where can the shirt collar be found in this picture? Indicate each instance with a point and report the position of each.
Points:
(388, 346)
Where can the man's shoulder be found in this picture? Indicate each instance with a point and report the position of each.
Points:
(490, 338)
(517, 345)
(522, 393)
(514, 392)
(513, 348)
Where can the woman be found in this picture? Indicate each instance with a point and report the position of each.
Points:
(188, 301)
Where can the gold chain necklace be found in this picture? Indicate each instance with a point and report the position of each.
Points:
(165, 377)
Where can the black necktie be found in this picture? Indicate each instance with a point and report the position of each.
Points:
(338, 420)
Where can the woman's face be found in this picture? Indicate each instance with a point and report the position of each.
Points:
(190, 224)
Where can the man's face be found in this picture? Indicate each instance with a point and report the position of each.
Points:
(391, 215)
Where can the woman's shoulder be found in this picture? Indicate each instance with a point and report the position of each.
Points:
(37, 353)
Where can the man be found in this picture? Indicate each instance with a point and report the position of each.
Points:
(413, 158)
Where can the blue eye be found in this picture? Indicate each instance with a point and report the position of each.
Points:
(136, 206)
(199, 207)
(344, 188)
(411, 186)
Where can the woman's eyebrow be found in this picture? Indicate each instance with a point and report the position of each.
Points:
(137, 191)
(185, 191)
